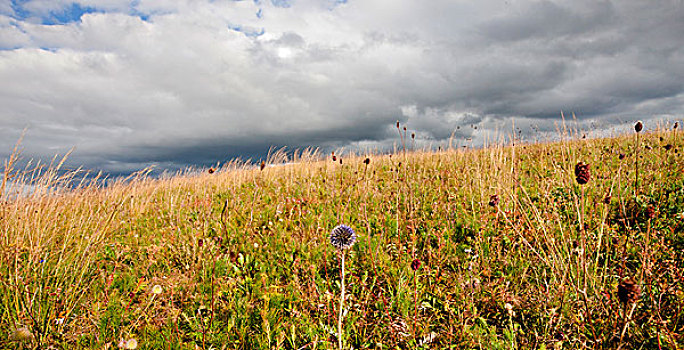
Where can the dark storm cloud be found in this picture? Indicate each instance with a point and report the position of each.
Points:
(182, 83)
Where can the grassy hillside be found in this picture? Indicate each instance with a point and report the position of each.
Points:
(497, 248)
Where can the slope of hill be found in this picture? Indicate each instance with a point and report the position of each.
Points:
(496, 248)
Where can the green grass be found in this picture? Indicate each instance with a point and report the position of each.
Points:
(244, 261)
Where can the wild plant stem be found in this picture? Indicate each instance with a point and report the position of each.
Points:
(339, 320)
(415, 303)
(636, 167)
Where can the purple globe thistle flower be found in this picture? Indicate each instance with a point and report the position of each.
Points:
(342, 237)
(415, 264)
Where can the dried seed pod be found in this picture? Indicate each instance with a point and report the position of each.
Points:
(638, 126)
(582, 173)
(366, 161)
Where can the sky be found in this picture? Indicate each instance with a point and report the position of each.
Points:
(175, 83)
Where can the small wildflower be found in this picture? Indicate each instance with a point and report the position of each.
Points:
(676, 124)
(415, 264)
(131, 344)
(157, 289)
(621, 156)
(211, 170)
(366, 161)
(668, 147)
(638, 126)
(262, 166)
(342, 237)
(650, 212)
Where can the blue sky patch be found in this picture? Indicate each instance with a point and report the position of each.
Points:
(248, 31)
(281, 3)
(18, 8)
(69, 14)
(66, 14)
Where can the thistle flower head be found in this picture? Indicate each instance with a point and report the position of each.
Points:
(628, 291)
(415, 264)
(494, 200)
(342, 237)
(582, 173)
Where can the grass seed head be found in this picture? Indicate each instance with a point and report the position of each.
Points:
(582, 173)
(342, 237)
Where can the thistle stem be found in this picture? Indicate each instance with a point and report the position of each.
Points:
(636, 167)
(339, 320)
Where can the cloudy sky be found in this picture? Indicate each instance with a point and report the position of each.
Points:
(174, 83)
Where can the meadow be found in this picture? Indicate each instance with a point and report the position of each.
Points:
(513, 246)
